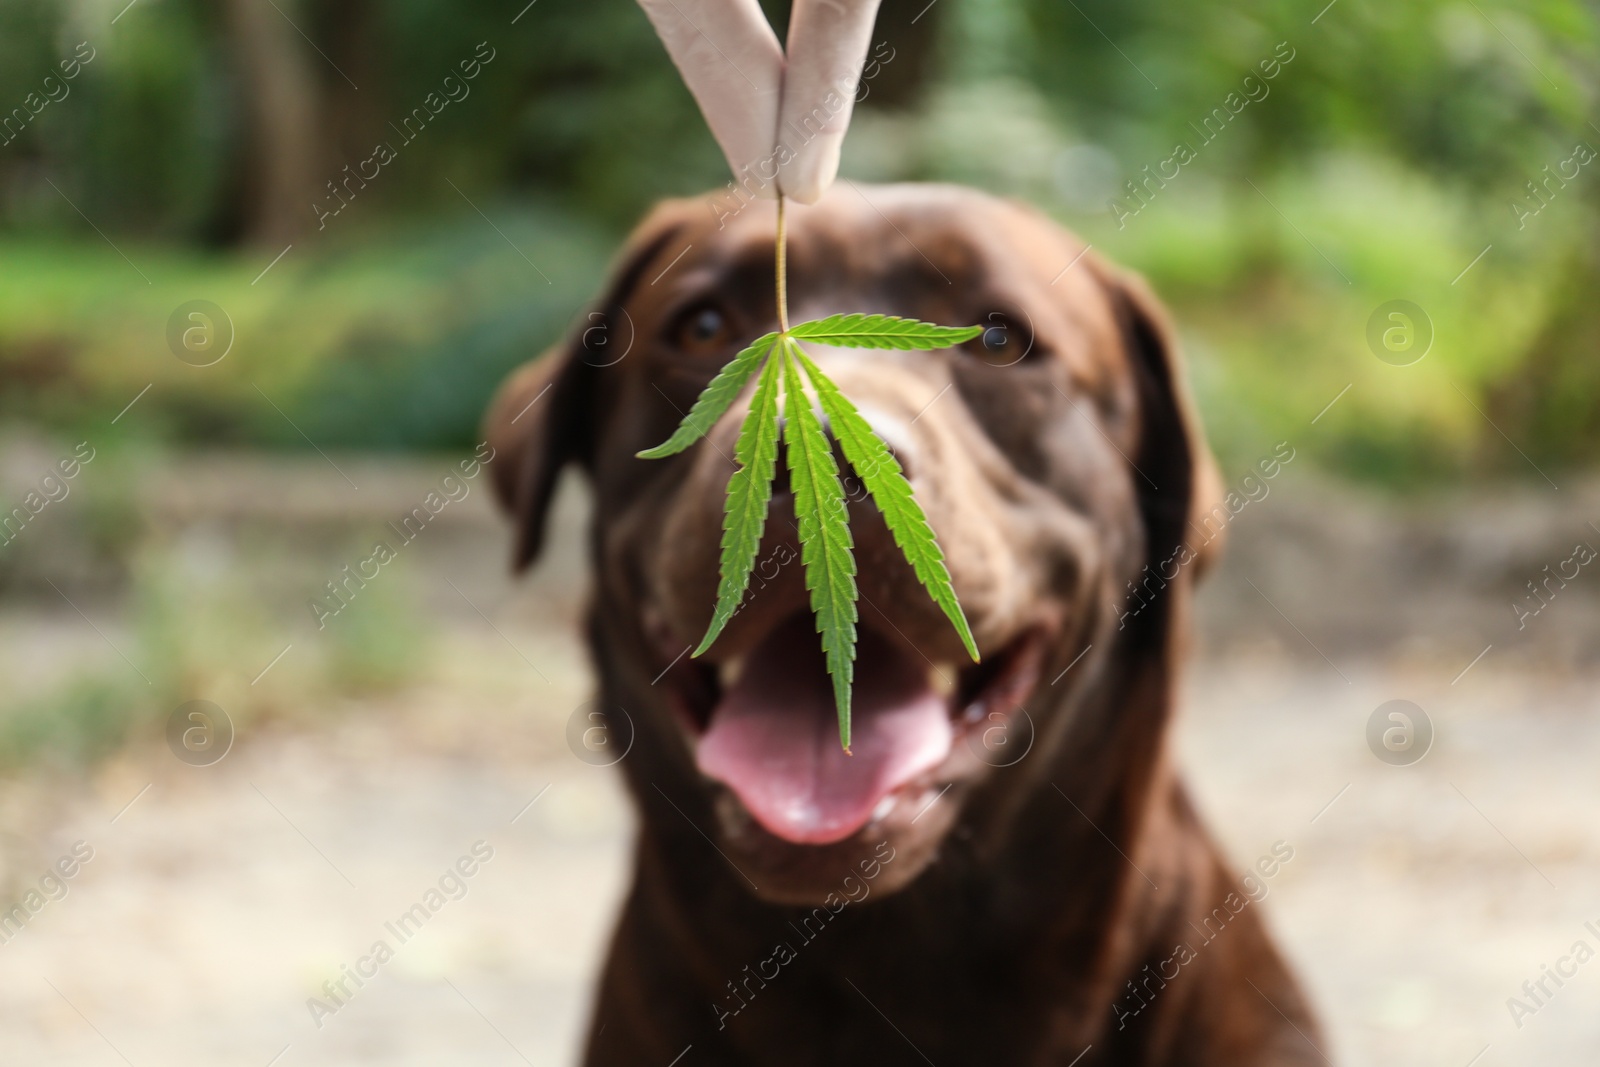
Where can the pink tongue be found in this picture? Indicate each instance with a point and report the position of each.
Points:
(774, 738)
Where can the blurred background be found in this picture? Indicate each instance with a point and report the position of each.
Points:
(238, 340)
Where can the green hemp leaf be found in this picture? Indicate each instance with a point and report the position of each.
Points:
(782, 369)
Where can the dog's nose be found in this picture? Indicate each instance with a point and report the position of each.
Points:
(893, 440)
(895, 431)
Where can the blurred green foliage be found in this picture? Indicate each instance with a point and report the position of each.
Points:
(1382, 159)
(198, 599)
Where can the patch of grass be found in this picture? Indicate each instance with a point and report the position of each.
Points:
(85, 720)
(391, 338)
(204, 621)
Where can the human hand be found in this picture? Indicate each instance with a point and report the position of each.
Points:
(773, 118)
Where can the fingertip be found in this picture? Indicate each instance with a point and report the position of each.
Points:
(736, 79)
(802, 194)
(807, 177)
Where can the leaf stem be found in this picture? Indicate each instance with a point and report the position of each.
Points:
(782, 271)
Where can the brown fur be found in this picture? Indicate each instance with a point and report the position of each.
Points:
(1005, 923)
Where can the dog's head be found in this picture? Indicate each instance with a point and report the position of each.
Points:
(1056, 460)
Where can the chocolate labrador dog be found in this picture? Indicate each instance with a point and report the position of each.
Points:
(1007, 869)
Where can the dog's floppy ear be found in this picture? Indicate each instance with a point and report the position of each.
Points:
(1179, 484)
(545, 414)
(535, 429)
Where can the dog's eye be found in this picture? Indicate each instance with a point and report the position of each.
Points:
(1004, 340)
(702, 330)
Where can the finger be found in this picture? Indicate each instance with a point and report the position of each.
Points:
(827, 48)
(733, 65)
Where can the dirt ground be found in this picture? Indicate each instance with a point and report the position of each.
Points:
(219, 899)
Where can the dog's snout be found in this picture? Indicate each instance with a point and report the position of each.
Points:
(897, 434)
(901, 451)
(893, 430)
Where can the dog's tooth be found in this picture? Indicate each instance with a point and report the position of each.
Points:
(942, 677)
(728, 674)
(885, 806)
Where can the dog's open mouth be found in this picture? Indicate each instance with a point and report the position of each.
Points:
(769, 731)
